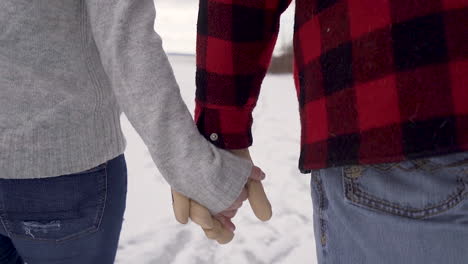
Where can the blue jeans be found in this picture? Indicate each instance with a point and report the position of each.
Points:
(413, 212)
(69, 219)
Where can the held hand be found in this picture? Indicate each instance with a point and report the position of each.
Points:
(258, 200)
(184, 208)
(256, 194)
(220, 226)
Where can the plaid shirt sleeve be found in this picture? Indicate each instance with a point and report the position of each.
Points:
(235, 43)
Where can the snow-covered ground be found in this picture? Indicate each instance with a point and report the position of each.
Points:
(150, 233)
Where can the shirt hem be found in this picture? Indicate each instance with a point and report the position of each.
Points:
(51, 152)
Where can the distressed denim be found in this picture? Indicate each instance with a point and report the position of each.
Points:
(68, 219)
(413, 212)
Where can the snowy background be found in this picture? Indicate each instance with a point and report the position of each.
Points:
(150, 233)
(176, 22)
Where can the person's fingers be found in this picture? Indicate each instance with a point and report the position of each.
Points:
(181, 207)
(229, 214)
(257, 174)
(226, 222)
(200, 215)
(225, 236)
(215, 232)
(219, 233)
(259, 201)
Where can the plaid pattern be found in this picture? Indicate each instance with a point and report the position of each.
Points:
(377, 80)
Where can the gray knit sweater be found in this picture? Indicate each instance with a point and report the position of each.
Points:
(68, 68)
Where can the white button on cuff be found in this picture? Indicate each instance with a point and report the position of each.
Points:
(214, 137)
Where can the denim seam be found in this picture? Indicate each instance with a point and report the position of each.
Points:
(356, 195)
(2, 216)
(105, 198)
(321, 205)
(89, 230)
(4, 224)
(423, 164)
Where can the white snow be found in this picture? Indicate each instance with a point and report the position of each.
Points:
(150, 233)
(176, 22)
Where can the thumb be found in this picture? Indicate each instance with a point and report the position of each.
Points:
(200, 215)
(258, 200)
(181, 207)
(257, 174)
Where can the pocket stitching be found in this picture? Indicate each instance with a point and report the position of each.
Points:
(2, 216)
(104, 202)
(359, 197)
(99, 214)
(92, 229)
(321, 206)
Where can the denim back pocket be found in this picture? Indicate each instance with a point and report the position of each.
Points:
(414, 189)
(54, 209)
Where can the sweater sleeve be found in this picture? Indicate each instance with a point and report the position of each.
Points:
(143, 82)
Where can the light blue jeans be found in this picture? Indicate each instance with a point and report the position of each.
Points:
(413, 212)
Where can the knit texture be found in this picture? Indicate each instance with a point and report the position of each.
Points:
(69, 68)
(377, 80)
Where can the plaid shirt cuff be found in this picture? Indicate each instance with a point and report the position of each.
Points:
(225, 127)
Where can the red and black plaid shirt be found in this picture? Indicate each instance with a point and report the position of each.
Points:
(377, 80)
